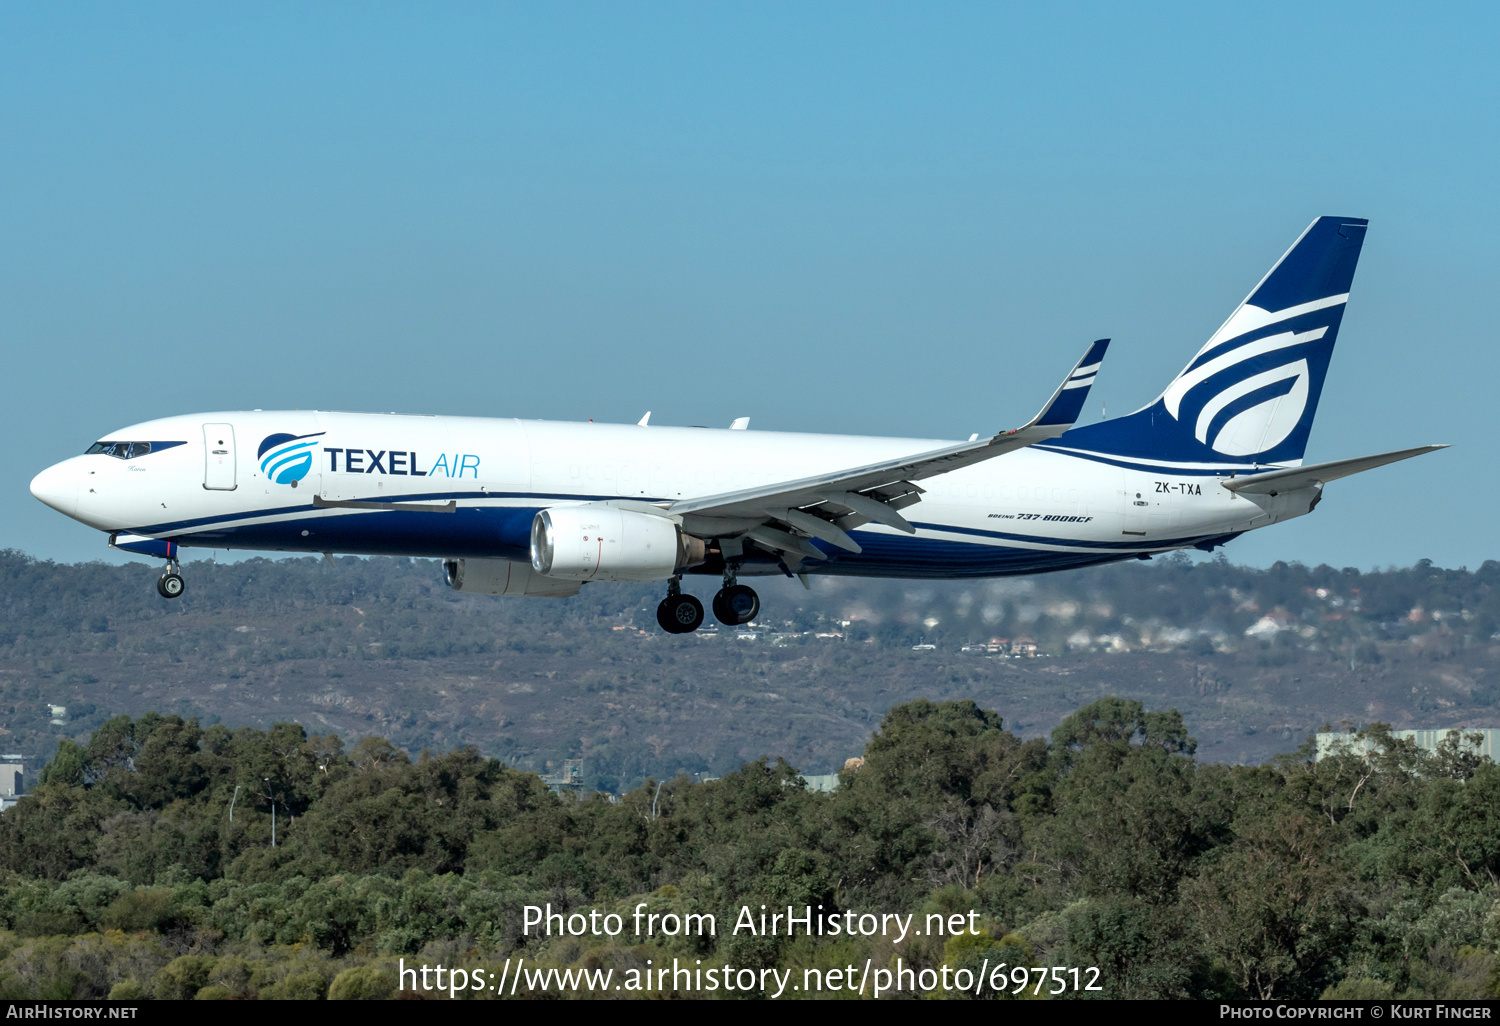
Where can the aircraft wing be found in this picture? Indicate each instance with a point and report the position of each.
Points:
(1273, 482)
(781, 517)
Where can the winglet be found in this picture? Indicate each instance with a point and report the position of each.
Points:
(1067, 402)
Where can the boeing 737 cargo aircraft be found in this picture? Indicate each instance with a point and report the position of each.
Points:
(535, 508)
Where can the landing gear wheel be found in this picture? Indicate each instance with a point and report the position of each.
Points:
(679, 614)
(736, 604)
(171, 585)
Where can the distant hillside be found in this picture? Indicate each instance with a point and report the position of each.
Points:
(1255, 659)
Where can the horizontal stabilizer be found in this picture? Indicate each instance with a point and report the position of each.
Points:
(1273, 482)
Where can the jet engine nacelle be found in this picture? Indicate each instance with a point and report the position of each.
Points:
(504, 577)
(606, 543)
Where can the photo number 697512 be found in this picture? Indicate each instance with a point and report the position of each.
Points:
(1057, 980)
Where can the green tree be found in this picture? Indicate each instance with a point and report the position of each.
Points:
(1273, 909)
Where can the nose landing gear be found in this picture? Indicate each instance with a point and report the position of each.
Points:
(735, 604)
(171, 585)
(679, 612)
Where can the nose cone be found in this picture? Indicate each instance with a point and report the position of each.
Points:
(57, 486)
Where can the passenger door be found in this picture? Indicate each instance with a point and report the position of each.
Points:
(219, 457)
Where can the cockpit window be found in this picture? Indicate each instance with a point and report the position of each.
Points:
(128, 450)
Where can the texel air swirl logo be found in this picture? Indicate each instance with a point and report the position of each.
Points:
(286, 459)
(1258, 408)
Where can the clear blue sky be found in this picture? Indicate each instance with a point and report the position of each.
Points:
(902, 219)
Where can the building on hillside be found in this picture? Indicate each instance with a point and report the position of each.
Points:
(1427, 740)
(995, 646)
(821, 781)
(12, 780)
(570, 776)
(1273, 623)
(1020, 648)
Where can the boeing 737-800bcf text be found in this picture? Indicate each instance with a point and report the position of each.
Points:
(535, 508)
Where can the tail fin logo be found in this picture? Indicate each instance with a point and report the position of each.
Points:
(1277, 400)
(1248, 397)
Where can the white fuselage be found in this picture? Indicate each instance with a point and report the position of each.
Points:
(1035, 509)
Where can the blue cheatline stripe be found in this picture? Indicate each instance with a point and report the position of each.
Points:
(1172, 471)
(373, 531)
(504, 533)
(935, 558)
(1134, 546)
(303, 510)
(372, 524)
(226, 518)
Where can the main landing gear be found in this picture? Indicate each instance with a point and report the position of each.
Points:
(679, 612)
(735, 604)
(171, 585)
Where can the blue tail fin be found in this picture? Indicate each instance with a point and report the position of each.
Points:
(1249, 396)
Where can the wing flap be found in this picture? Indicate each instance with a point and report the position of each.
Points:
(781, 541)
(871, 509)
(817, 527)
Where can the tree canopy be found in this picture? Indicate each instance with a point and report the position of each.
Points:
(1375, 870)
